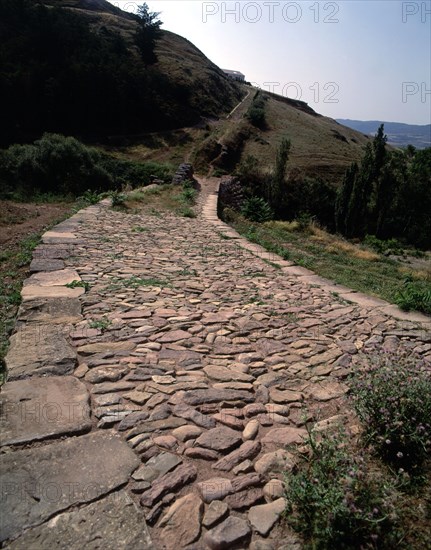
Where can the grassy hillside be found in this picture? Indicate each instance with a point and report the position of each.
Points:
(320, 146)
(72, 67)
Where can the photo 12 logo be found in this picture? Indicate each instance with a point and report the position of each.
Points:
(415, 11)
(270, 12)
(327, 92)
(416, 90)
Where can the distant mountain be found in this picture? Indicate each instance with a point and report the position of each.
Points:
(399, 134)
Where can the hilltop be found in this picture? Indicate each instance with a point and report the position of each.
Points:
(72, 67)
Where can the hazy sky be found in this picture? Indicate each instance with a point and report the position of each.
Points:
(366, 60)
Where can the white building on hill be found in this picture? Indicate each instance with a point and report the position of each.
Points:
(234, 75)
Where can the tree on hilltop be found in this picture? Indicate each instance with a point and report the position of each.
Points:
(147, 33)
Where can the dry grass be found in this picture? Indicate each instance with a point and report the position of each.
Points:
(337, 245)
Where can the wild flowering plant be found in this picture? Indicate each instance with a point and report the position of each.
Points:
(392, 397)
(336, 500)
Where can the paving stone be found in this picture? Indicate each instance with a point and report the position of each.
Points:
(106, 374)
(253, 409)
(38, 350)
(198, 397)
(189, 413)
(155, 425)
(243, 467)
(285, 436)
(42, 481)
(182, 475)
(181, 525)
(243, 482)
(108, 387)
(32, 292)
(226, 375)
(248, 450)
(273, 490)
(285, 396)
(216, 512)
(165, 442)
(244, 499)
(157, 466)
(173, 336)
(216, 488)
(184, 433)
(100, 347)
(139, 397)
(112, 522)
(51, 311)
(265, 516)
(52, 278)
(326, 390)
(276, 461)
(45, 264)
(228, 533)
(266, 545)
(43, 407)
(200, 452)
(219, 439)
(229, 420)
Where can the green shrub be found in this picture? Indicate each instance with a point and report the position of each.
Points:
(412, 296)
(256, 112)
(256, 209)
(335, 500)
(53, 164)
(386, 247)
(256, 116)
(392, 397)
(61, 165)
(89, 197)
(187, 212)
(117, 199)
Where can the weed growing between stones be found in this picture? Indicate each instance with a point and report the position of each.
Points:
(101, 324)
(79, 284)
(392, 397)
(139, 229)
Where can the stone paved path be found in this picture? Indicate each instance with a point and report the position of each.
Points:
(172, 387)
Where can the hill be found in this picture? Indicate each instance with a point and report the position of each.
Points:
(72, 67)
(399, 134)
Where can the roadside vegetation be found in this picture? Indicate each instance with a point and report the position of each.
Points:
(372, 490)
(373, 234)
(57, 175)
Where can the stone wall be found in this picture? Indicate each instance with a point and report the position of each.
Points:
(230, 193)
(184, 173)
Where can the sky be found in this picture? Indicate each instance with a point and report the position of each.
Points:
(365, 60)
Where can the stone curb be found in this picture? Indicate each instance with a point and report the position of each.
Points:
(42, 400)
(376, 305)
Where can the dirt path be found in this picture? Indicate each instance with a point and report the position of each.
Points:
(199, 358)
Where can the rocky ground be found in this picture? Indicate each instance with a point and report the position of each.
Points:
(158, 407)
